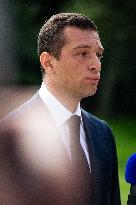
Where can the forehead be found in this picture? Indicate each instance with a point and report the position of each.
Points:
(76, 36)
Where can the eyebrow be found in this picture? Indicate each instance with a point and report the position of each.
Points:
(81, 46)
(86, 46)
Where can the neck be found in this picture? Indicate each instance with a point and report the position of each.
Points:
(64, 98)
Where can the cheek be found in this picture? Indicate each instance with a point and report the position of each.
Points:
(70, 70)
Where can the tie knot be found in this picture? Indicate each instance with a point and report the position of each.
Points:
(74, 122)
(74, 128)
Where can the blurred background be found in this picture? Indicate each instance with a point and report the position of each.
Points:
(115, 101)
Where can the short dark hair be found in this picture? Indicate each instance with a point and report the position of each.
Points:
(51, 38)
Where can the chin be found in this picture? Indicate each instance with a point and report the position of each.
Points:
(90, 93)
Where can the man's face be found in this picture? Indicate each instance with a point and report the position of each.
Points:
(77, 71)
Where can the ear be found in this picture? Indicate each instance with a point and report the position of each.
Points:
(45, 60)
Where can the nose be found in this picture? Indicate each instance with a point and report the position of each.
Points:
(94, 64)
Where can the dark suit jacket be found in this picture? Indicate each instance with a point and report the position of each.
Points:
(34, 167)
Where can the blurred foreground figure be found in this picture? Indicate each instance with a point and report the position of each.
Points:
(52, 152)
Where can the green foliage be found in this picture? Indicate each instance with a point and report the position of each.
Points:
(29, 18)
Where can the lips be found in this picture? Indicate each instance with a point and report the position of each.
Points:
(93, 80)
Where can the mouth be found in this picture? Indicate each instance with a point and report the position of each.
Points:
(93, 81)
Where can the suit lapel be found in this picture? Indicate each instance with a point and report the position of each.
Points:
(96, 155)
(54, 144)
(100, 155)
(90, 134)
(40, 140)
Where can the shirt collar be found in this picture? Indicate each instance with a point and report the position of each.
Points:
(55, 107)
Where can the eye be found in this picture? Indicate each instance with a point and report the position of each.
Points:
(82, 53)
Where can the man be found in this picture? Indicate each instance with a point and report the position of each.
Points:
(40, 161)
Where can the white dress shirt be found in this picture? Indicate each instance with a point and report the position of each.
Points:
(60, 114)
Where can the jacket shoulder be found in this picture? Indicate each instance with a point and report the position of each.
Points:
(97, 124)
(93, 119)
(24, 113)
(103, 130)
